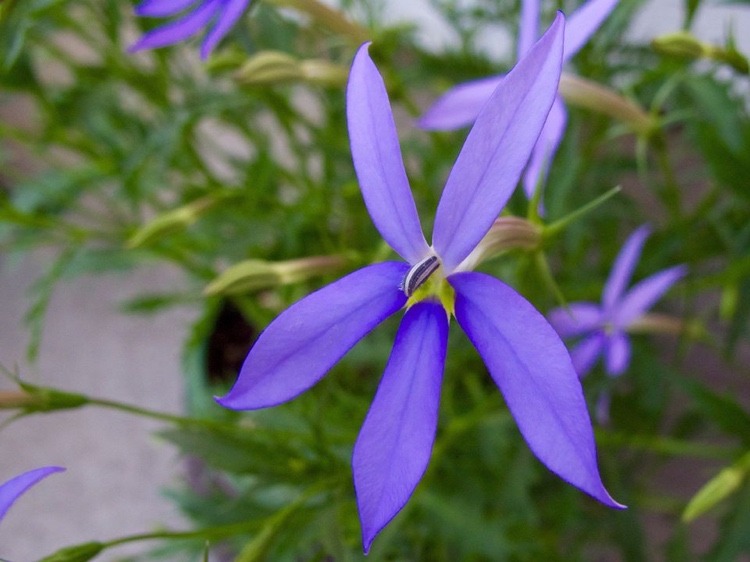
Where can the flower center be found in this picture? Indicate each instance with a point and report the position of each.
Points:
(426, 280)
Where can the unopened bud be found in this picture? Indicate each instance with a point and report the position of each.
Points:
(596, 97)
(77, 553)
(33, 399)
(173, 220)
(255, 275)
(506, 233)
(685, 45)
(327, 17)
(275, 67)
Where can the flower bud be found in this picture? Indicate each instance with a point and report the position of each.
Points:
(275, 67)
(507, 233)
(173, 220)
(32, 399)
(77, 553)
(596, 97)
(254, 275)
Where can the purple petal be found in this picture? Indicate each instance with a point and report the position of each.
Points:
(586, 352)
(530, 364)
(178, 30)
(15, 487)
(623, 268)
(583, 23)
(577, 319)
(162, 8)
(497, 149)
(308, 338)
(617, 356)
(459, 106)
(528, 30)
(644, 294)
(377, 160)
(228, 16)
(545, 148)
(395, 443)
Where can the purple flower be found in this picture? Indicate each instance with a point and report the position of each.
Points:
(222, 14)
(603, 328)
(523, 354)
(13, 488)
(460, 105)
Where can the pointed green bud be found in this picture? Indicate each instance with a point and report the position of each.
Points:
(255, 275)
(718, 488)
(327, 17)
(33, 399)
(596, 97)
(685, 45)
(77, 553)
(275, 67)
(506, 233)
(173, 220)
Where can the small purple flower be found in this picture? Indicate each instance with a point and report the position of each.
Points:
(523, 354)
(460, 105)
(603, 328)
(222, 14)
(15, 487)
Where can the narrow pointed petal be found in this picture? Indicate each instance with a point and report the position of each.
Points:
(528, 30)
(583, 23)
(497, 149)
(395, 443)
(15, 487)
(617, 357)
(459, 106)
(308, 338)
(532, 368)
(545, 148)
(162, 8)
(177, 30)
(377, 160)
(623, 268)
(586, 353)
(228, 16)
(576, 319)
(644, 294)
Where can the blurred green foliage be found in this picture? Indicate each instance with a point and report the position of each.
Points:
(121, 161)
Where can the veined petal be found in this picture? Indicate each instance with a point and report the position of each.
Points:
(13, 488)
(228, 16)
(162, 8)
(377, 160)
(459, 106)
(583, 23)
(586, 352)
(617, 354)
(645, 293)
(497, 149)
(545, 148)
(395, 443)
(308, 338)
(179, 29)
(577, 319)
(530, 364)
(528, 30)
(623, 268)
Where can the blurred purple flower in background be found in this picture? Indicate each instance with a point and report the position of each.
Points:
(15, 487)
(603, 328)
(460, 105)
(523, 353)
(198, 14)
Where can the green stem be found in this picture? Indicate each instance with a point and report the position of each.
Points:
(664, 445)
(559, 225)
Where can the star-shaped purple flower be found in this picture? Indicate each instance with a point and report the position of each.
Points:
(460, 105)
(15, 487)
(523, 353)
(198, 14)
(604, 328)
